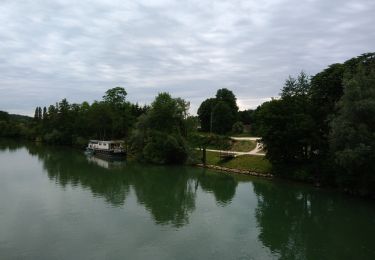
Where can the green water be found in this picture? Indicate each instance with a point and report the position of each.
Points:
(56, 203)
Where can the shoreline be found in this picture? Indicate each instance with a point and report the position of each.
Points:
(236, 171)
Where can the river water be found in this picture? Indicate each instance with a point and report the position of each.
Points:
(57, 203)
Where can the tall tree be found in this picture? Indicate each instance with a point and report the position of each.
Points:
(227, 96)
(44, 113)
(36, 113)
(208, 116)
(205, 114)
(286, 125)
(159, 136)
(115, 96)
(222, 118)
(352, 137)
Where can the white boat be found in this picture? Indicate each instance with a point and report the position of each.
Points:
(112, 148)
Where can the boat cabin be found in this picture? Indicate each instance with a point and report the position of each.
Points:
(105, 145)
(108, 148)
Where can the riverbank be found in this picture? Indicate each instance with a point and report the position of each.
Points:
(237, 171)
(248, 162)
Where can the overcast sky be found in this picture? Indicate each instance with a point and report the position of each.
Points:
(73, 49)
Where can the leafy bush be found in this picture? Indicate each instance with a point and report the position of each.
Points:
(238, 127)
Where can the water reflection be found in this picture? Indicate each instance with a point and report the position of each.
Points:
(167, 192)
(106, 163)
(291, 221)
(302, 223)
(10, 145)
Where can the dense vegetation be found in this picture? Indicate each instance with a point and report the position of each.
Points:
(160, 134)
(66, 123)
(322, 128)
(14, 126)
(155, 133)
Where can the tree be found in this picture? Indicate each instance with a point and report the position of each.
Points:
(227, 96)
(246, 116)
(38, 113)
(352, 138)
(4, 116)
(286, 126)
(296, 87)
(326, 90)
(205, 114)
(115, 96)
(159, 136)
(44, 113)
(222, 118)
(238, 127)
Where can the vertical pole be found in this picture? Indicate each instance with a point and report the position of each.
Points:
(204, 156)
(211, 122)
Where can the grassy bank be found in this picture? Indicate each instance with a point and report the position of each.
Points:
(245, 162)
(243, 146)
(234, 145)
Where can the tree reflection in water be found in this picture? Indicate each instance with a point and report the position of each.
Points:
(293, 221)
(167, 192)
(299, 222)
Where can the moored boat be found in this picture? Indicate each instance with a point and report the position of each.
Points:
(112, 148)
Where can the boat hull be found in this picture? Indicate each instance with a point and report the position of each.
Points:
(108, 153)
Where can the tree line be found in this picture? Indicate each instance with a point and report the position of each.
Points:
(321, 129)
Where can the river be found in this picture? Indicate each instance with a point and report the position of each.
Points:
(57, 203)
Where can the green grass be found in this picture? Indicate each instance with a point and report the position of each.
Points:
(243, 146)
(242, 135)
(235, 145)
(244, 162)
(230, 134)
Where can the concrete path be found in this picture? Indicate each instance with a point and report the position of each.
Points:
(245, 138)
(256, 151)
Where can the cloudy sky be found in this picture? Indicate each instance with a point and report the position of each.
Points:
(72, 49)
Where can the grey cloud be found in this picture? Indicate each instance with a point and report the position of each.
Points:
(77, 49)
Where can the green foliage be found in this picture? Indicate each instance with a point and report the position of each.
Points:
(246, 116)
(296, 87)
(4, 116)
(66, 123)
(324, 130)
(218, 114)
(227, 96)
(205, 113)
(162, 148)
(352, 138)
(115, 96)
(287, 127)
(210, 141)
(15, 126)
(222, 118)
(54, 137)
(160, 134)
(238, 127)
